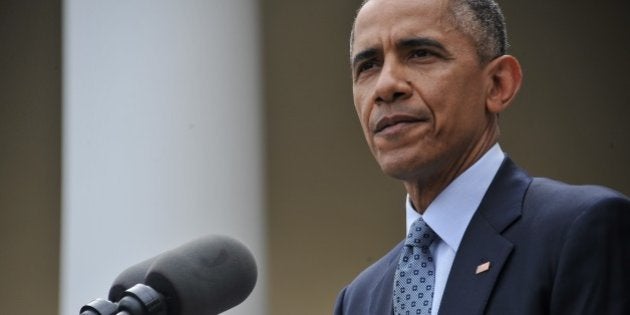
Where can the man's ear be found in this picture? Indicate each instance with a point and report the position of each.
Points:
(505, 78)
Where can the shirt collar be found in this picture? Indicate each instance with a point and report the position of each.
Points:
(449, 214)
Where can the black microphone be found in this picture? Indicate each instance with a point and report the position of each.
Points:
(204, 277)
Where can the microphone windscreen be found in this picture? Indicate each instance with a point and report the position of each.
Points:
(128, 278)
(204, 277)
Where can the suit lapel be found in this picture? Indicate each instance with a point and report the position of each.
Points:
(467, 292)
(381, 302)
(468, 288)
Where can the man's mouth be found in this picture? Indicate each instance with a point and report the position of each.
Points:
(394, 120)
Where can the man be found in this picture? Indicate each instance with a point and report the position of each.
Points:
(430, 78)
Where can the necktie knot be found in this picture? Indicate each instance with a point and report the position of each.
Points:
(420, 234)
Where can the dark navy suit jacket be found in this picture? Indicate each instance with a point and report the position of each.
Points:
(553, 249)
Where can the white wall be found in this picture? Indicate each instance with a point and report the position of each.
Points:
(162, 136)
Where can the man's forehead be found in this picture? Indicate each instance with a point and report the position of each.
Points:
(381, 9)
(397, 18)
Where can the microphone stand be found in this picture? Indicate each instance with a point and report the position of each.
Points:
(138, 300)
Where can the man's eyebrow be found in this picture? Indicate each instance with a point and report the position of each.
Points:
(403, 43)
(420, 42)
(363, 55)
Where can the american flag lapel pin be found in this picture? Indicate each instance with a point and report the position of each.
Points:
(483, 268)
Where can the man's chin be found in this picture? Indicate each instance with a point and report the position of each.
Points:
(399, 170)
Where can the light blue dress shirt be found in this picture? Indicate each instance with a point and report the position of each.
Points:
(449, 214)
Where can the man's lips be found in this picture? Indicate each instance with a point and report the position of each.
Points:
(390, 121)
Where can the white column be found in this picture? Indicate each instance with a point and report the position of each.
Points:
(162, 136)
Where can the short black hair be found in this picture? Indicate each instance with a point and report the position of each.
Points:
(484, 22)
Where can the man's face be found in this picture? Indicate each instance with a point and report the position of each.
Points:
(419, 88)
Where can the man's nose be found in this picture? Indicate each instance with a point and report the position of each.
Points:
(393, 84)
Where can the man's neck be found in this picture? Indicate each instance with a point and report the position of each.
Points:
(422, 191)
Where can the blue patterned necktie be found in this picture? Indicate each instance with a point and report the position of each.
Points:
(415, 274)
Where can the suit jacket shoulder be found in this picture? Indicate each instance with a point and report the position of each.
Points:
(588, 232)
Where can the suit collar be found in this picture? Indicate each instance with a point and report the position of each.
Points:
(467, 292)
(503, 203)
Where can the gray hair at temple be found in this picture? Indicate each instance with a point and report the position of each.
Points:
(482, 20)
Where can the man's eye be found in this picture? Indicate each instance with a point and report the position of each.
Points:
(365, 66)
(421, 53)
